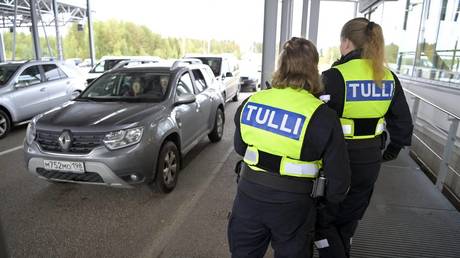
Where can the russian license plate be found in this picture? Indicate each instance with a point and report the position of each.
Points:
(69, 166)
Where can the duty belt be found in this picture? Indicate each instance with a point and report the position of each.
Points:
(276, 181)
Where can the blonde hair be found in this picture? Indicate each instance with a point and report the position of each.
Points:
(368, 36)
(298, 67)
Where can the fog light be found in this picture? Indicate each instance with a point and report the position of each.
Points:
(134, 177)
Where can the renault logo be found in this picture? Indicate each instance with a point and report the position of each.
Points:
(65, 140)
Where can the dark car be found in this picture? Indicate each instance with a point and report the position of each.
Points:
(131, 125)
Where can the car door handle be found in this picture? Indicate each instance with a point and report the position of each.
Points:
(67, 82)
(42, 89)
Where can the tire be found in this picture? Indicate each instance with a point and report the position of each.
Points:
(224, 96)
(168, 167)
(235, 98)
(218, 130)
(5, 124)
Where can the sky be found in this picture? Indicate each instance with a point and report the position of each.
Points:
(239, 20)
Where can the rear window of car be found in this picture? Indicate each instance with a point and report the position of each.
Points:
(105, 65)
(214, 62)
(6, 71)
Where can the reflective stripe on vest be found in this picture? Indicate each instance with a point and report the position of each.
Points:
(363, 98)
(288, 167)
(275, 121)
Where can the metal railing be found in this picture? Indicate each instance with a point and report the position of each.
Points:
(451, 136)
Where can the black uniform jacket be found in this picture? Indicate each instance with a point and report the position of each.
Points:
(323, 140)
(398, 118)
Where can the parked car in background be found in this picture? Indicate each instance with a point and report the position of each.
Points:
(131, 125)
(249, 76)
(226, 70)
(32, 87)
(109, 62)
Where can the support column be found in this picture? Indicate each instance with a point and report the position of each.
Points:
(313, 21)
(356, 9)
(92, 51)
(58, 34)
(35, 35)
(305, 15)
(14, 29)
(286, 21)
(269, 43)
(2, 49)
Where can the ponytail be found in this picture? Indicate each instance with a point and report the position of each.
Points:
(368, 36)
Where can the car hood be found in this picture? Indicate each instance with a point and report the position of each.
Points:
(98, 116)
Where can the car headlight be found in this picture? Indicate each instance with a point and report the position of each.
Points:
(31, 133)
(123, 138)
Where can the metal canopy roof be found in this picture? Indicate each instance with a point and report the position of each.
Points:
(66, 13)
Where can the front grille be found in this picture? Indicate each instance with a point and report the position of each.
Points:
(244, 78)
(82, 143)
(85, 177)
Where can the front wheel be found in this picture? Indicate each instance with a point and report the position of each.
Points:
(218, 129)
(168, 167)
(235, 98)
(5, 124)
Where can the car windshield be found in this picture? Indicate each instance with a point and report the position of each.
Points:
(213, 62)
(105, 65)
(6, 71)
(128, 86)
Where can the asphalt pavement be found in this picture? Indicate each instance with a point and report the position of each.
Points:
(43, 219)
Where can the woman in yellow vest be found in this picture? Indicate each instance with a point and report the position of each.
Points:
(287, 137)
(366, 96)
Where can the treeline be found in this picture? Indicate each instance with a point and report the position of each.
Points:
(114, 37)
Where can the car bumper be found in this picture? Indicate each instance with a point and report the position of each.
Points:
(102, 166)
(251, 84)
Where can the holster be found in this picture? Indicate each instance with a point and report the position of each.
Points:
(237, 170)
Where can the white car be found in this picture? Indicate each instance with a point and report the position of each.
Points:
(109, 62)
(226, 70)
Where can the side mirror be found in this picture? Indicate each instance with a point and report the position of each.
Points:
(185, 99)
(20, 84)
(228, 74)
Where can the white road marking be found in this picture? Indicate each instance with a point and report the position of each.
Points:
(10, 150)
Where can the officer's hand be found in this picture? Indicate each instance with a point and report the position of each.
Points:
(391, 152)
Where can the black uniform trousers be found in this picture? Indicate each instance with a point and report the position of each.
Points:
(254, 223)
(337, 223)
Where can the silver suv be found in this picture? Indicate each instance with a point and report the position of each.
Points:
(131, 125)
(32, 87)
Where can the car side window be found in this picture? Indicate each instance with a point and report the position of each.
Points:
(184, 85)
(29, 76)
(52, 72)
(200, 82)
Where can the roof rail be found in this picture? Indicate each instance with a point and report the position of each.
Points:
(179, 63)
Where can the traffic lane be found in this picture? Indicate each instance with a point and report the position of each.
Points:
(59, 220)
(14, 138)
